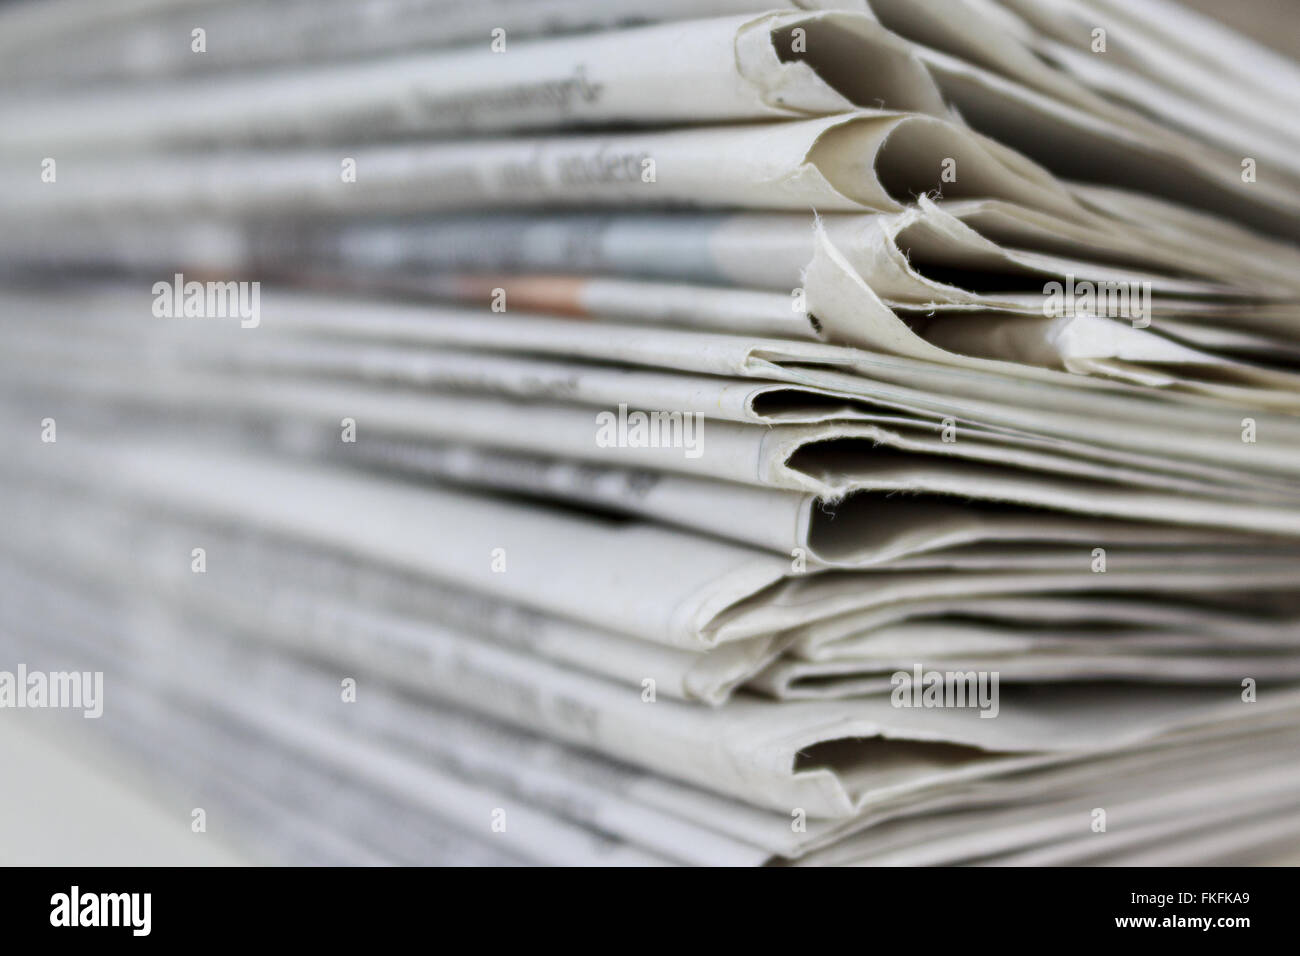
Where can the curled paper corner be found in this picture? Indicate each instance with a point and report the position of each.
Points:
(847, 311)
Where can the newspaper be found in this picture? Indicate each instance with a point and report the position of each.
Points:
(542, 432)
(119, 42)
(727, 70)
(1207, 434)
(865, 159)
(590, 713)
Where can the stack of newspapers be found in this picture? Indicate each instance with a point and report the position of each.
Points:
(615, 432)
